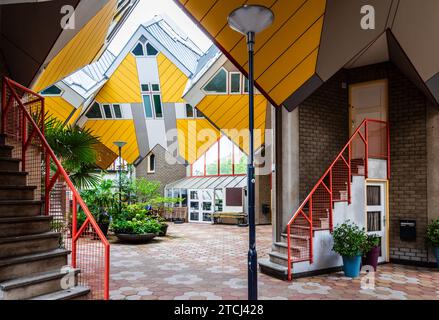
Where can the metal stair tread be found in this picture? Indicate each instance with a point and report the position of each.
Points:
(277, 267)
(71, 293)
(44, 235)
(34, 279)
(33, 257)
(25, 219)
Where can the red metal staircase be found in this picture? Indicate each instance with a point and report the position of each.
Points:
(369, 141)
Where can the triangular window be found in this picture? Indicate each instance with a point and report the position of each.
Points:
(138, 50)
(218, 84)
(150, 50)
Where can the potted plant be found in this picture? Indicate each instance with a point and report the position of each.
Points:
(371, 251)
(432, 238)
(348, 242)
(134, 224)
(163, 226)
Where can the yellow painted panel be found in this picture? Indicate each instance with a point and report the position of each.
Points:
(172, 80)
(230, 114)
(195, 136)
(109, 131)
(292, 57)
(58, 107)
(123, 85)
(81, 50)
(296, 78)
(199, 8)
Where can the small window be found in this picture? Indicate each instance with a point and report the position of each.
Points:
(199, 114)
(138, 50)
(373, 195)
(107, 111)
(147, 105)
(373, 221)
(117, 111)
(155, 87)
(151, 163)
(189, 111)
(158, 106)
(245, 86)
(150, 50)
(51, 91)
(145, 87)
(218, 84)
(94, 112)
(235, 82)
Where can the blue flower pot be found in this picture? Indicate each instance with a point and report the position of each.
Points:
(436, 253)
(351, 266)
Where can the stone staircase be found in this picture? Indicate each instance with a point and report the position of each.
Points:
(32, 264)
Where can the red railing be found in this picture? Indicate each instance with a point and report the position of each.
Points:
(370, 140)
(23, 123)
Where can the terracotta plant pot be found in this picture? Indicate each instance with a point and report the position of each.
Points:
(371, 258)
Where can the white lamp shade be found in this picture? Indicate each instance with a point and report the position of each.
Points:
(250, 18)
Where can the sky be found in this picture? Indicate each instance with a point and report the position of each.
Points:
(145, 11)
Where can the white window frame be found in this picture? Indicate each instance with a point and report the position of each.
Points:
(210, 79)
(151, 94)
(243, 84)
(146, 50)
(193, 111)
(148, 164)
(53, 95)
(143, 47)
(240, 82)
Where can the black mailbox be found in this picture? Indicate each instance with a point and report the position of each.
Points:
(265, 208)
(407, 230)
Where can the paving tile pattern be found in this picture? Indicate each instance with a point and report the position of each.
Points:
(208, 262)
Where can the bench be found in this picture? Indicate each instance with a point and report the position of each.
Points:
(239, 216)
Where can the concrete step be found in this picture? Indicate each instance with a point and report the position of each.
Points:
(28, 244)
(296, 250)
(9, 164)
(273, 269)
(12, 178)
(17, 192)
(26, 265)
(19, 208)
(11, 227)
(300, 240)
(280, 258)
(39, 284)
(73, 293)
(6, 151)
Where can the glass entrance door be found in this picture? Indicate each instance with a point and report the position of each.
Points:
(201, 205)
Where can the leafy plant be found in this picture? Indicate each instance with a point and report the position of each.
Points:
(101, 200)
(349, 239)
(135, 219)
(371, 241)
(432, 235)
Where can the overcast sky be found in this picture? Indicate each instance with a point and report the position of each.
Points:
(145, 11)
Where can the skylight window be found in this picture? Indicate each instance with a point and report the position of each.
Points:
(218, 84)
(52, 91)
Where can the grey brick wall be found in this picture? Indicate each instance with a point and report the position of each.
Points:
(164, 172)
(324, 130)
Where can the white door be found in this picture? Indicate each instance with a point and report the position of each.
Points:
(201, 205)
(376, 215)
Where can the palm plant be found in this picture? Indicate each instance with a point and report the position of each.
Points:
(74, 148)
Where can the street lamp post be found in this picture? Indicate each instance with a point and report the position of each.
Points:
(120, 144)
(249, 20)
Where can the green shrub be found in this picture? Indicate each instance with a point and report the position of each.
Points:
(135, 219)
(432, 236)
(349, 239)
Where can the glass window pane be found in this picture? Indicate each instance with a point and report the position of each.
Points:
(194, 195)
(198, 167)
(94, 112)
(235, 83)
(145, 87)
(199, 114)
(207, 206)
(207, 195)
(245, 84)
(147, 105)
(183, 197)
(207, 217)
(155, 87)
(212, 160)
(219, 200)
(158, 106)
(373, 195)
(218, 83)
(138, 50)
(373, 221)
(240, 161)
(52, 90)
(107, 111)
(195, 205)
(189, 111)
(150, 50)
(226, 147)
(117, 111)
(194, 216)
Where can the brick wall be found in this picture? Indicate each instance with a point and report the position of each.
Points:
(164, 172)
(323, 130)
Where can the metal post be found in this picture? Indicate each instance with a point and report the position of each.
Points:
(120, 179)
(252, 254)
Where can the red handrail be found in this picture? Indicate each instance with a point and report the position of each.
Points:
(50, 181)
(329, 174)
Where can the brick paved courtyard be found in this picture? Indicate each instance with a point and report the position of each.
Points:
(209, 262)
